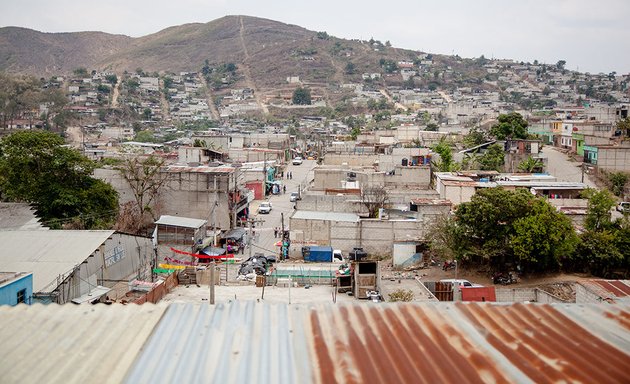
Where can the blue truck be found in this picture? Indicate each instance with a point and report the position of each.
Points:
(321, 254)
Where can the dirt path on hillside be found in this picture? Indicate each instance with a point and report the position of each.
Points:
(210, 99)
(116, 93)
(389, 98)
(248, 76)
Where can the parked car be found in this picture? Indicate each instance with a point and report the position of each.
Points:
(295, 196)
(264, 207)
(460, 283)
(624, 207)
(297, 160)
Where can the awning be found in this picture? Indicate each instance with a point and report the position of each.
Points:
(213, 251)
(95, 294)
(235, 234)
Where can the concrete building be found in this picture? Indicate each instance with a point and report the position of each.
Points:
(608, 157)
(68, 264)
(459, 187)
(16, 288)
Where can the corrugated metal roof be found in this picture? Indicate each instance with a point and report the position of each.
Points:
(279, 343)
(184, 222)
(332, 216)
(411, 343)
(199, 169)
(47, 254)
(72, 343)
(609, 290)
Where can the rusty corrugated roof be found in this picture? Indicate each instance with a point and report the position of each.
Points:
(618, 288)
(279, 343)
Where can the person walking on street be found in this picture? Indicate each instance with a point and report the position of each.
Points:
(284, 189)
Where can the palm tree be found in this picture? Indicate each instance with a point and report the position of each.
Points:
(530, 165)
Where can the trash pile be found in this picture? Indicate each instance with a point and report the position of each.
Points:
(255, 265)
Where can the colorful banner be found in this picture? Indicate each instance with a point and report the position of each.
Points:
(171, 266)
(161, 270)
(171, 260)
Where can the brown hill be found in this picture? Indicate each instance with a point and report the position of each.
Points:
(27, 51)
(269, 50)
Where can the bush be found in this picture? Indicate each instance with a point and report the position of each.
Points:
(401, 295)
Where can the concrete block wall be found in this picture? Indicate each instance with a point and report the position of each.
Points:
(519, 295)
(614, 159)
(324, 203)
(515, 295)
(586, 296)
(353, 159)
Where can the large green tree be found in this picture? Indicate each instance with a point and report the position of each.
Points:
(543, 238)
(598, 213)
(35, 167)
(302, 96)
(492, 159)
(500, 227)
(510, 126)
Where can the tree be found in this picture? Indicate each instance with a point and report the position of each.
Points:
(147, 183)
(432, 127)
(35, 167)
(474, 138)
(487, 223)
(374, 198)
(446, 162)
(560, 64)
(543, 238)
(81, 72)
(112, 79)
(624, 126)
(302, 96)
(530, 165)
(597, 252)
(471, 160)
(493, 159)
(618, 181)
(350, 69)
(598, 215)
(356, 131)
(510, 126)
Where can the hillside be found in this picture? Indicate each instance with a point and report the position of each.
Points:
(265, 50)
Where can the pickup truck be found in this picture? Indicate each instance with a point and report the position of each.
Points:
(264, 207)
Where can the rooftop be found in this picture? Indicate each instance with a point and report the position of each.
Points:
(48, 254)
(279, 343)
(184, 222)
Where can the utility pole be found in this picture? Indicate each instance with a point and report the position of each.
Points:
(214, 214)
(249, 238)
(282, 237)
(212, 271)
(582, 172)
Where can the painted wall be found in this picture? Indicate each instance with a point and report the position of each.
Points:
(9, 291)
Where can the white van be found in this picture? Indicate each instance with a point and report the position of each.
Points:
(460, 283)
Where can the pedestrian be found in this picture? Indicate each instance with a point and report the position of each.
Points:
(284, 189)
(275, 232)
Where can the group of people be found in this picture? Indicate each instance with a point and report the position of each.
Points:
(277, 232)
(289, 175)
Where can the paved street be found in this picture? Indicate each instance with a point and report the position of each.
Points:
(264, 240)
(563, 169)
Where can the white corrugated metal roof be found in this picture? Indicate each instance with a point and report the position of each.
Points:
(73, 343)
(185, 222)
(332, 216)
(47, 254)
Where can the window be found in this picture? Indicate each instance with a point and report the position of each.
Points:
(21, 296)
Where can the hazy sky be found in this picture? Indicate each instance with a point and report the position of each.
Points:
(592, 36)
